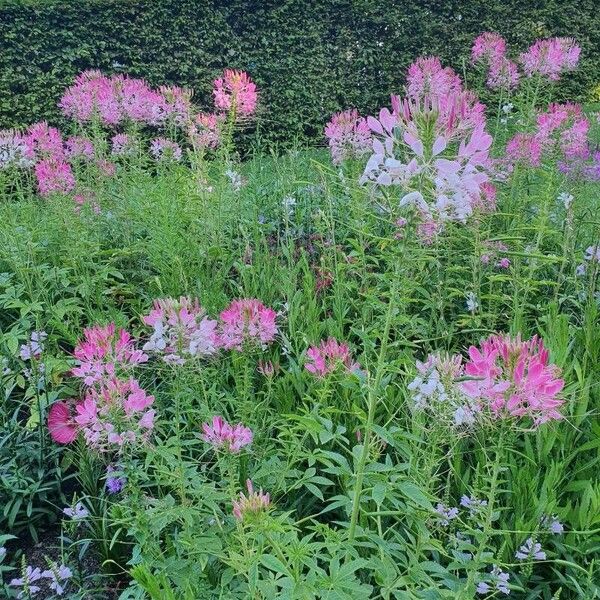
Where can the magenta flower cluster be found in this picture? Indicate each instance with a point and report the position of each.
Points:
(513, 378)
(490, 49)
(235, 92)
(247, 323)
(550, 58)
(120, 99)
(547, 59)
(329, 357)
(115, 411)
(223, 436)
(560, 130)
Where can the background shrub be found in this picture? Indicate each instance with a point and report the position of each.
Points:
(310, 58)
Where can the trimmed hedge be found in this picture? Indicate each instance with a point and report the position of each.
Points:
(309, 57)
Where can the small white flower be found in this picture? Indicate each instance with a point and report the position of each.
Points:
(472, 304)
(566, 199)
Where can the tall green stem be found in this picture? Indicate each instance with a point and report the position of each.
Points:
(372, 405)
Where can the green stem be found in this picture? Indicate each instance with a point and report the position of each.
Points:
(372, 404)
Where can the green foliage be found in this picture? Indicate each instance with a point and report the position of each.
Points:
(309, 58)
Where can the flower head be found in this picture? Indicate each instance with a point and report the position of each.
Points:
(205, 130)
(247, 322)
(530, 550)
(104, 350)
(181, 330)
(220, 434)
(235, 91)
(77, 512)
(514, 379)
(165, 150)
(252, 504)
(550, 58)
(328, 357)
(58, 575)
(61, 425)
(349, 136)
(15, 151)
(28, 577)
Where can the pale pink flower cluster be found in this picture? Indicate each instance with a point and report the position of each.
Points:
(435, 148)
(247, 323)
(550, 58)
(562, 128)
(205, 131)
(181, 330)
(513, 378)
(54, 177)
(349, 136)
(103, 351)
(252, 504)
(427, 77)
(328, 357)
(120, 99)
(122, 144)
(236, 92)
(490, 49)
(14, 150)
(223, 436)
(434, 391)
(163, 149)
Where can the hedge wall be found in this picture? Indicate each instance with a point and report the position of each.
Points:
(309, 57)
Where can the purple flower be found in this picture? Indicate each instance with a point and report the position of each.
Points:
(530, 549)
(35, 347)
(115, 484)
(483, 587)
(29, 576)
(2, 552)
(446, 514)
(473, 504)
(77, 512)
(552, 524)
(58, 574)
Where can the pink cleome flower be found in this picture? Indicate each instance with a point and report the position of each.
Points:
(513, 379)
(181, 330)
(489, 47)
(115, 414)
(54, 177)
(252, 504)
(221, 435)
(524, 148)
(235, 91)
(328, 357)
(205, 131)
(427, 77)
(550, 58)
(61, 425)
(349, 136)
(247, 322)
(102, 351)
(79, 147)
